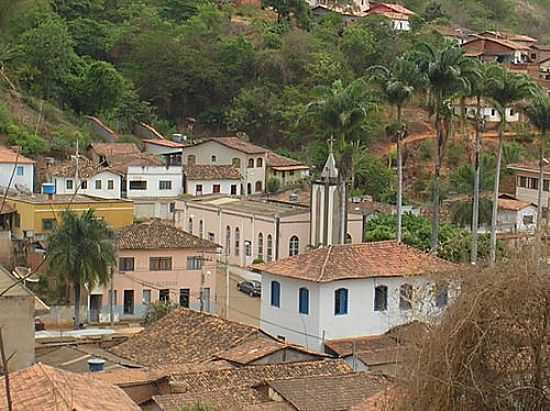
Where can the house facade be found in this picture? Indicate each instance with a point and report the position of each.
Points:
(527, 182)
(497, 50)
(288, 171)
(398, 15)
(157, 262)
(212, 179)
(21, 167)
(348, 291)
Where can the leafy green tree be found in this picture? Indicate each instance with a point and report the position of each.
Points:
(181, 10)
(285, 9)
(273, 185)
(80, 251)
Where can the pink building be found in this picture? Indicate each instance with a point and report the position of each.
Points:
(158, 262)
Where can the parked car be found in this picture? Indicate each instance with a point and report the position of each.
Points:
(252, 288)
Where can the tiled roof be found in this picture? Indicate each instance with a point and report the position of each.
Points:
(277, 161)
(532, 167)
(120, 163)
(212, 172)
(114, 149)
(184, 336)
(375, 350)
(329, 393)
(512, 205)
(10, 156)
(384, 400)
(239, 145)
(390, 14)
(395, 7)
(86, 168)
(44, 388)
(367, 260)
(221, 399)
(154, 234)
(164, 142)
(505, 43)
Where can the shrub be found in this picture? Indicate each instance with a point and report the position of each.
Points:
(31, 144)
(157, 310)
(5, 119)
(273, 185)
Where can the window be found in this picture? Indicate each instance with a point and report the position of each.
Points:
(184, 297)
(247, 248)
(194, 263)
(260, 162)
(128, 301)
(201, 229)
(126, 264)
(341, 301)
(165, 185)
(233, 189)
(258, 186)
(236, 162)
(237, 242)
(405, 297)
(381, 298)
(146, 299)
(528, 219)
(251, 163)
(138, 185)
(275, 294)
(293, 246)
(198, 189)
(227, 240)
(303, 300)
(17, 220)
(493, 112)
(69, 184)
(260, 246)
(172, 207)
(20, 170)
(164, 296)
(98, 184)
(216, 188)
(211, 237)
(546, 185)
(213, 159)
(84, 185)
(533, 183)
(523, 182)
(269, 248)
(205, 299)
(110, 184)
(441, 296)
(190, 226)
(48, 224)
(249, 189)
(512, 112)
(160, 263)
(348, 240)
(191, 160)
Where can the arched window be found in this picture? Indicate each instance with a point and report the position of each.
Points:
(251, 163)
(213, 159)
(260, 246)
(303, 300)
(249, 189)
(405, 297)
(190, 226)
(191, 160)
(381, 298)
(341, 301)
(236, 162)
(349, 240)
(258, 186)
(227, 240)
(293, 246)
(441, 295)
(269, 247)
(201, 228)
(275, 294)
(237, 242)
(259, 162)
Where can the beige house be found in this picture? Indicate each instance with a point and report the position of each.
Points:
(527, 183)
(287, 170)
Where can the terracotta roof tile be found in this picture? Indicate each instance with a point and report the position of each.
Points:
(86, 169)
(212, 172)
(154, 234)
(512, 205)
(114, 149)
(385, 400)
(228, 399)
(10, 156)
(120, 163)
(164, 142)
(239, 145)
(278, 161)
(44, 388)
(395, 7)
(367, 260)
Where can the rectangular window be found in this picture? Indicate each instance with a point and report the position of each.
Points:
(546, 185)
(194, 263)
(69, 184)
(275, 294)
(441, 296)
(164, 296)
(84, 185)
(172, 207)
(198, 189)
(303, 300)
(138, 185)
(110, 184)
(126, 263)
(381, 298)
(160, 263)
(233, 189)
(523, 182)
(528, 219)
(165, 185)
(534, 183)
(216, 188)
(205, 299)
(184, 297)
(405, 297)
(98, 184)
(48, 224)
(211, 237)
(17, 220)
(20, 170)
(128, 301)
(146, 299)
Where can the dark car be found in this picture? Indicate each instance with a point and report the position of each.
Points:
(252, 288)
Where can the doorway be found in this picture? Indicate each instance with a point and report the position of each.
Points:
(95, 307)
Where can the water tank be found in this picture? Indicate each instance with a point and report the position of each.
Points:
(48, 188)
(96, 364)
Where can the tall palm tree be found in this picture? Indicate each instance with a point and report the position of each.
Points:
(81, 251)
(505, 89)
(538, 113)
(398, 84)
(447, 72)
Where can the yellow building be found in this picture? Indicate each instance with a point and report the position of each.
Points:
(36, 215)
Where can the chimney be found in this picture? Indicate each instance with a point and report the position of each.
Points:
(96, 364)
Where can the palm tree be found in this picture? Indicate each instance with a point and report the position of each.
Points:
(538, 113)
(447, 72)
(505, 89)
(81, 251)
(398, 84)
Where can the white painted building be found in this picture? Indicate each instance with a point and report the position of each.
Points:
(490, 114)
(92, 181)
(154, 181)
(527, 183)
(348, 291)
(202, 180)
(22, 169)
(516, 216)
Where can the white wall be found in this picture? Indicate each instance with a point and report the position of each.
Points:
(160, 150)
(103, 192)
(207, 186)
(26, 179)
(512, 220)
(153, 175)
(401, 25)
(491, 114)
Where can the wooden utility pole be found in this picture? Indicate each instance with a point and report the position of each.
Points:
(6, 372)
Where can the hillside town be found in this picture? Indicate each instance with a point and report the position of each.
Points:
(366, 231)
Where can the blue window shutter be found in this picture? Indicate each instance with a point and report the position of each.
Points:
(275, 294)
(303, 301)
(341, 301)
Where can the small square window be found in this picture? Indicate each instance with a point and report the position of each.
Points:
(126, 263)
(198, 189)
(98, 184)
(233, 189)
(165, 185)
(110, 184)
(216, 188)
(48, 224)
(194, 263)
(84, 185)
(69, 184)
(20, 170)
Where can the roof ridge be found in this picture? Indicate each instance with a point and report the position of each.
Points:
(323, 267)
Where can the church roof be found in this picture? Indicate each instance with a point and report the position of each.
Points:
(330, 170)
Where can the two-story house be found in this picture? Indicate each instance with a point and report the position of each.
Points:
(157, 262)
(21, 167)
(211, 179)
(349, 290)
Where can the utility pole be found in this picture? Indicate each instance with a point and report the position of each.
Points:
(6, 372)
(226, 288)
(111, 297)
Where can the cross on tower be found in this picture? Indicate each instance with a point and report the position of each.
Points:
(331, 143)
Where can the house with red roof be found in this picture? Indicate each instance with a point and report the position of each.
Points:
(399, 15)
